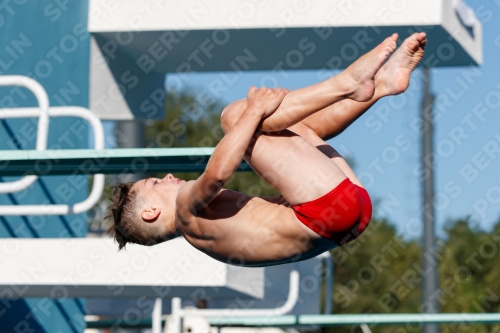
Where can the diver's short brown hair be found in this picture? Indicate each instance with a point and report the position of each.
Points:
(127, 226)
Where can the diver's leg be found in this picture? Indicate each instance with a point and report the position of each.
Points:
(392, 79)
(356, 82)
(290, 163)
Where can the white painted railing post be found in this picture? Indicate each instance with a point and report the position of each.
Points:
(174, 324)
(156, 316)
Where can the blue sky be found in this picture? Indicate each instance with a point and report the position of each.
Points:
(385, 142)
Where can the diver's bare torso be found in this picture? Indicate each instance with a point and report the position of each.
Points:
(251, 231)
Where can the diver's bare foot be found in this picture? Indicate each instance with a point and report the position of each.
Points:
(394, 77)
(358, 78)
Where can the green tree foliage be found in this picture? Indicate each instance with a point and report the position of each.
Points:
(191, 123)
(382, 273)
(469, 273)
(370, 275)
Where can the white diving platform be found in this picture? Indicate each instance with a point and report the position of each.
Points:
(93, 267)
(135, 44)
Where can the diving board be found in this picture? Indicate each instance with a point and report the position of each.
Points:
(135, 44)
(107, 161)
(91, 267)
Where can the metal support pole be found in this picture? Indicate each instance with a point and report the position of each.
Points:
(327, 260)
(130, 134)
(430, 284)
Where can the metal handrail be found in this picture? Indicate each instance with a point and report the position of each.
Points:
(98, 185)
(357, 319)
(326, 320)
(43, 124)
(178, 312)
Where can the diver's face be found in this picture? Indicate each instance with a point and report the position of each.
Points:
(156, 200)
(158, 192)
(152, 188)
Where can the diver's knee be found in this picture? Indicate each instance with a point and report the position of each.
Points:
(231, 114)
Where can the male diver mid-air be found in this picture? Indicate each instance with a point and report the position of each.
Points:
(281, 134)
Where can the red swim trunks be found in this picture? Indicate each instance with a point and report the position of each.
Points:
(341, 215)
